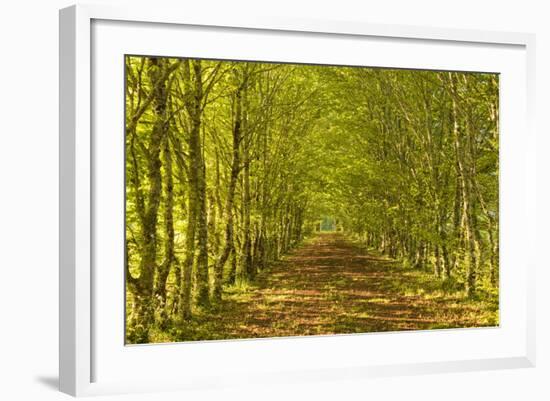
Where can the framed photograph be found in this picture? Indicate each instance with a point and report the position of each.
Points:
(278, 200)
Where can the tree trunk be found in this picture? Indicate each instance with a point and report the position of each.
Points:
(465, 189)
(169, 256)
(245, 269)
(143, 297)
(235, 169)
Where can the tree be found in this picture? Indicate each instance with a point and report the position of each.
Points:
(230, 165)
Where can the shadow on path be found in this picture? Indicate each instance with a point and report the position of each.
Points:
(329, 285)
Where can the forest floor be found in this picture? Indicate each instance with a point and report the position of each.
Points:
(331, 285)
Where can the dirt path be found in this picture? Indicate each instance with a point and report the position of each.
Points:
(330, 285)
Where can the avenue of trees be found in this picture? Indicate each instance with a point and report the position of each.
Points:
(231, 164)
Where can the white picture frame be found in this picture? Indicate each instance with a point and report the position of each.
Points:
(78, 370)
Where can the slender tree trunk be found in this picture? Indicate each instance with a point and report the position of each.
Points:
(193, 207)
(169, 255)
(185, 296)
(143, 298)
(465, 188)
(245, 269)
(234, 176)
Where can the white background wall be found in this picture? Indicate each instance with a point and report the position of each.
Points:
(29, 185)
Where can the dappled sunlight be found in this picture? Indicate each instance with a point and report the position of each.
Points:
(270, 199)
(348, 292)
